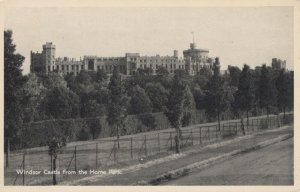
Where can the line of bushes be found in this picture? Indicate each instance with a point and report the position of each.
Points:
(38, 133)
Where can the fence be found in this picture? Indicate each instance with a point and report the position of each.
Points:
(105, 153)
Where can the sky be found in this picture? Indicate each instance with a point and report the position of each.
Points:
(237, 35)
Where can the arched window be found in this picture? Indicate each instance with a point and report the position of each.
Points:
(91, 65)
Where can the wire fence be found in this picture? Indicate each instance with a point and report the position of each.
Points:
(105, 153)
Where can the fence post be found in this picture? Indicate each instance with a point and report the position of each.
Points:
(114, 149)
(200, 141)
(192, 137)
(146, 145)
(75, 163)
(131, 154)
(23, 167)
(216, 133)
(96, 155)
(7, 153)
(209, 133)
(158, 142)
(51, 163)
(171, 139)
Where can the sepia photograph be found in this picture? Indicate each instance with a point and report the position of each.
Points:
(148, 96)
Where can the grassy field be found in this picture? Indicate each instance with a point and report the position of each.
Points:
(104, 153)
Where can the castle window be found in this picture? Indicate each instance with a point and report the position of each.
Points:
(82, 67)
(57, 67)
(67, 67)
(141, 66)
(77, 67)
(91, 65)
(62, 67)
(72, 67)
(49, 68)
(145, 66)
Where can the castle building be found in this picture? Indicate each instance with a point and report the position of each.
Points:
(278, 64)
(194, 59)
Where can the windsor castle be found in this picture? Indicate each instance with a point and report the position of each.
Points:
(193, 60)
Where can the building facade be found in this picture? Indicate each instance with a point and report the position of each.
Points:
(193, 60)
(278, 64)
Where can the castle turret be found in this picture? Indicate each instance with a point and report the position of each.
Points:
(49, 56)
(176, 53)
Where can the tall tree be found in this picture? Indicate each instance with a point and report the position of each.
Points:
(244, 96)
(61, 103)
(234, 73)
(139, 102)
(284, 90)
(179, 104)
(266, 90)
(158, 96)
(203, 77)
(118, 103)
(31, 94)
(13, 80)
(219, 95)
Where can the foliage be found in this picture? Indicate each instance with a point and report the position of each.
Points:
(118, 102)
(219, 95)
(244, 96)
(158, 96)
(13, 81)
(284, 88)
(139, 102)
(234, 73)
(266, 93)
(61, 103)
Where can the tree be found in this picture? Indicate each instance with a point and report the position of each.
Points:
(118, 103)
(266, 90)
(61, 103)
(101, 76)
(188, 106)
(244, 96)
(54, 146)
(52, 80)
(284, 90)
(139, 102)
(158, 96)
(13, 80)
(163, 77)
(234, 73)
(219, 95)
(31, 95)
(199, 96)
(178, 106)
(203, 77)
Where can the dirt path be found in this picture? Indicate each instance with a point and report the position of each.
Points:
(272, 165)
